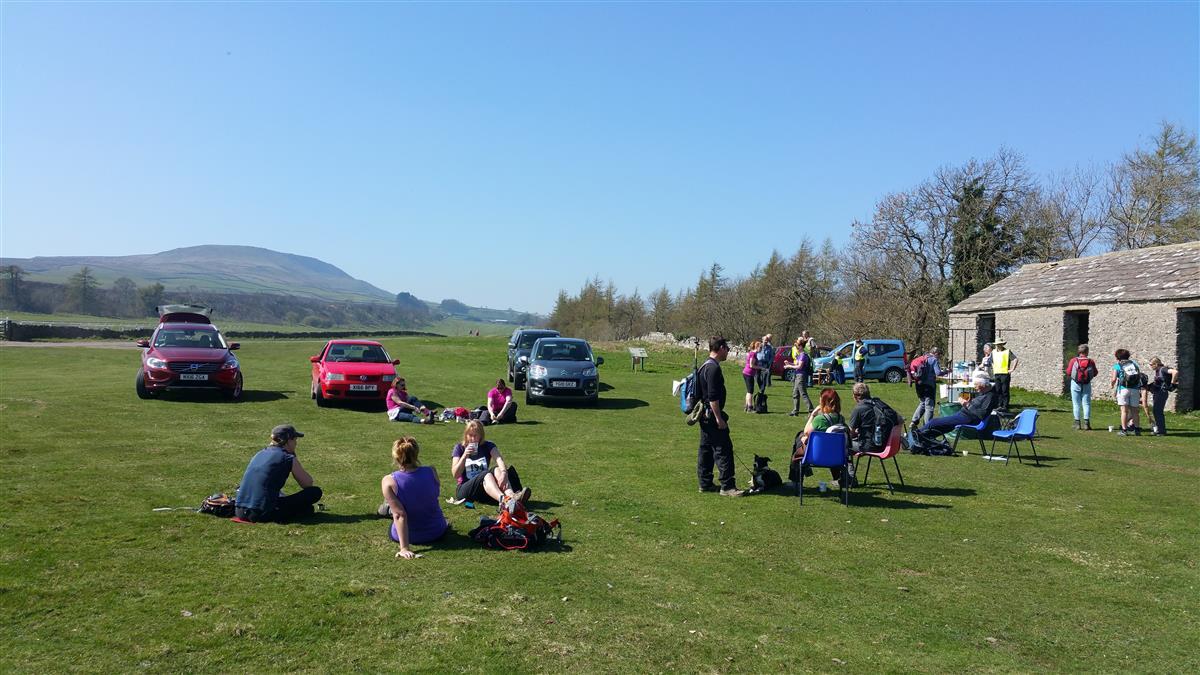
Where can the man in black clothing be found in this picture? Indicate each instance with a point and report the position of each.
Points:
(979, 408)
(862, 420)
(715, 444)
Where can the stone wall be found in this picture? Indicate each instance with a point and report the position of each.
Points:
(1146, 329)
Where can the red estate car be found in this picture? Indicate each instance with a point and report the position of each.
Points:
(358, 370)
(188, 352)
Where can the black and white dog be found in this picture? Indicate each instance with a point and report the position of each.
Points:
(763, 478)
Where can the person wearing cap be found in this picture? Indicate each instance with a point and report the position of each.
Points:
(1004, 362)
(259, 498)
(974, 412)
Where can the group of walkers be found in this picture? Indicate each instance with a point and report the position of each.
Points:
(411, 493)
(1133, 388)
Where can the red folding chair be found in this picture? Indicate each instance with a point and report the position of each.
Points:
(889, 451)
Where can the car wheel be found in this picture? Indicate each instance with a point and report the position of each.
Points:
(511, 378)
(893, 376)
(140, 386)
(789, 375)
(518, 383)
(529, 400)
(322, 402)
(235, 394)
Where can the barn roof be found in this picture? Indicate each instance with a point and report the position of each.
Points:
(1157, 273)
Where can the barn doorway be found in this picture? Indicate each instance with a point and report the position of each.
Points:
(1188, 325)
(985, 333)
(1075, 333)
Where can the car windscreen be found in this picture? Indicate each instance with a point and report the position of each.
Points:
(201, 338)
(357, 354)
(562, 351)
(527, 340)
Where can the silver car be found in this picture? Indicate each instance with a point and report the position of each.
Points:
(562, 368)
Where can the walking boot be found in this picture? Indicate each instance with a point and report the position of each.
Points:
(1075, 425)
(1087, 425)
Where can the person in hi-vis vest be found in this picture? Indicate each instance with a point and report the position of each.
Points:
(860, 360)
(1004, 362)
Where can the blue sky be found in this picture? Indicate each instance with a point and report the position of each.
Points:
(497, 153)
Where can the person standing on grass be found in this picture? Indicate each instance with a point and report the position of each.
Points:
(258, 496)
(985, 364)
(859, 353)
(925, 370)
(801, 366)
(750, 374)
(501, 408)
(716, 447)
(1160, 386)
(410, 497)
(1127, 379)
(1080, 371)
(766, 361)
(1004, 362)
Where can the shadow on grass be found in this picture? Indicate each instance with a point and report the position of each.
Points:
(620, 403)
(212, 396)
(457, 541)
(604, 386)
(328, 518)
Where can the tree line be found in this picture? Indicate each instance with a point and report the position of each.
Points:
(924, 250)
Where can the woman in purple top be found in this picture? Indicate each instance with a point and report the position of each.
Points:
(411, 494)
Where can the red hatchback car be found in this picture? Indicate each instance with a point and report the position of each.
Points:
(188, 352)
(352, 370)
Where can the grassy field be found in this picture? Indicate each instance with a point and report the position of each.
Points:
(447, 326)
(1086, 564)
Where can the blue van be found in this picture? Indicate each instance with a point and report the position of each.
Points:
(885, 360)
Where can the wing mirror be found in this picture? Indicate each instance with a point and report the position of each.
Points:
(143, 343)
(395, 362)
(599, 360)
(511, 345)
(234, 345)
(314, 359)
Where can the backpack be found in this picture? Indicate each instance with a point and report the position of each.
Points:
(687, 393)
(515, 528)
(886, 419)
(760, 403)
(1083, 371)
(219, 505)
(918, 369)
(1130, 375)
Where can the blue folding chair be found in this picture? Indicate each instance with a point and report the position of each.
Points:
(1024, 429)
(976, 430)
(827, 450)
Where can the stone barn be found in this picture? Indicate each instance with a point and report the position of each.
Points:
(1146, 301)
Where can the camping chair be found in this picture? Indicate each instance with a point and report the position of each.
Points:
(1024, 428)
(977, 430)
(889, 451)
(826, 450)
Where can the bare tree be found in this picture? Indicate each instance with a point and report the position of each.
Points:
(1072, 207)
(1154, 195)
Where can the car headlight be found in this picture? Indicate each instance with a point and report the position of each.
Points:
(230, 364)
(387, 378)
(156, 363)
(589, 372)
(334, 377)
(537, 371)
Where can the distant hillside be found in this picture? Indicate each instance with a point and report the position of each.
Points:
(224, 269)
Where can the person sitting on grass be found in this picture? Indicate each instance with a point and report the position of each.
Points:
(828, 415)
(404, 407)
(501, 407)
(976, 410)
(410, 497)
(258, 496)
(477, 482)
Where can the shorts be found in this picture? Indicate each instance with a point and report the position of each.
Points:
(472, 490)
(750, 382)
(1129, 397)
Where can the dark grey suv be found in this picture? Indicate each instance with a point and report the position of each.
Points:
(562, 368)
(518, 352)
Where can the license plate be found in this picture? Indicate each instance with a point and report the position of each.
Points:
(193, 376)
(565, 384)
(363, 387)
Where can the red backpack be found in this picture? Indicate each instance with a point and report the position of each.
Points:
(515, 528)
(916, 369)
(1082, 369)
